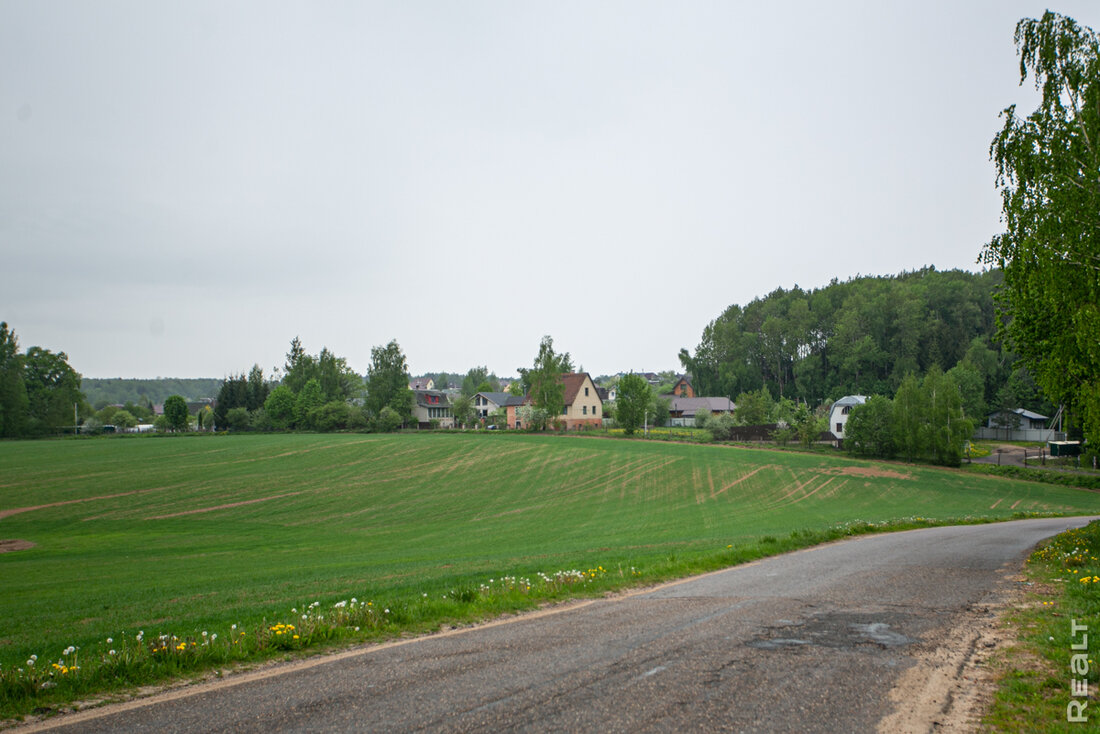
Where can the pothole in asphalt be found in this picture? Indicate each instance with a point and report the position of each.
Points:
(836, 630)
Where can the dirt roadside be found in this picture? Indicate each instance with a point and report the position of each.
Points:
(952, 685)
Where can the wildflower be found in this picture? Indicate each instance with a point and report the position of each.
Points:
(30, 663)
(112, 652)
(109, 640)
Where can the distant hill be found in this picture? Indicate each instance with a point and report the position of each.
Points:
(121, 390)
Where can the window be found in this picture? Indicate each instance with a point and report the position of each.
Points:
(845, 409)
(584, 410)
(586, 392)
(840, 428)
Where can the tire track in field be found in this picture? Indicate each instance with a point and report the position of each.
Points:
(18, 510)
(283, 455)
(223, 507)
(805, 496)
(743, 477)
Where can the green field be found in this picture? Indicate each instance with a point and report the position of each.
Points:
(179, 534)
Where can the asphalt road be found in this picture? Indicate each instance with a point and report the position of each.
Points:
(810, 641)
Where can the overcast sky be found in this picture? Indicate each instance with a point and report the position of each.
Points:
(186, 186)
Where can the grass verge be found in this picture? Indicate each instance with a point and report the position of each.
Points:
(1036, 686)
(1063, 478)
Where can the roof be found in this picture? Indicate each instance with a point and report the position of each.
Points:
(691, 406)
(1023, 413)
(574, 381)
(425, 398)
(848, 400)
(502, 398)
(420, 383)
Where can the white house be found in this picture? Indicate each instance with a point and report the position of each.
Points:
(838, 414)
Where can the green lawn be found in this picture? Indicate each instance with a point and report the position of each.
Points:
(185, 533)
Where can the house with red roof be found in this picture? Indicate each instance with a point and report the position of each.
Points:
(583, 406)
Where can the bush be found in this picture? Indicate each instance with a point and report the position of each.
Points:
(237, 419)
(387, 421)
(358, 418)
(702, 418)
(332, 416)
(783, 434)
(259, 420)
(721, 426)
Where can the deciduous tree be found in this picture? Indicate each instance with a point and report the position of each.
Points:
(1048, 170)
(53, 389)
(388, 381)
(176, 415)
(13, 390)
(633, 400)
(543, 380)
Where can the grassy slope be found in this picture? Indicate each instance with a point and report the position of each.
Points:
(328, 517)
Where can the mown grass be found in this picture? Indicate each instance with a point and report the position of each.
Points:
(174, 537)
(1035, 688)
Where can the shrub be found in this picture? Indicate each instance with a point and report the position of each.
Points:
(237, 419)
(721, 426)
(702, 418)
(332, 416)
(387, 421)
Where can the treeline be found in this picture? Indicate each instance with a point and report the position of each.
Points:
(864, 336)
(120, 391)
(39, 391)
(317, 393)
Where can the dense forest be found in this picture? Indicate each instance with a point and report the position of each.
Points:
(864, 336)
(118, 390)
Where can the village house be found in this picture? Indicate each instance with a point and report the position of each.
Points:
(487, 403)
(433, 405)
(682, 410)
(838, 415)
(1018, 424)
(683, 388)
(583, 407)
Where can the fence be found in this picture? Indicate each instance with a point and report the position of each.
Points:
(1018, 434)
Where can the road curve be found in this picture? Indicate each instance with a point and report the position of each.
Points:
(808, 641)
